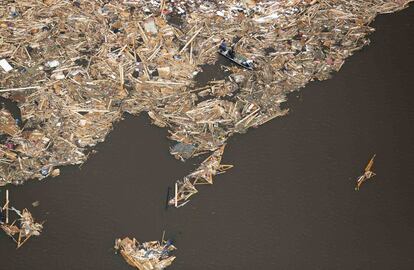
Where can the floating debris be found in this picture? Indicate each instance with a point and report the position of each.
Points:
(204, 174)
(35, 203)
(52, 64)
(79, 66)
(24, 226)
(368, 173)
(152, 255)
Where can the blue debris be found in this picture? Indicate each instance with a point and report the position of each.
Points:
(14, 14)
(168, 243)
(44, 171)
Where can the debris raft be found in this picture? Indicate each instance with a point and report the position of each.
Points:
(204, 174)
(368, 173)
(21, 229)
(75, 67)
(146, 256)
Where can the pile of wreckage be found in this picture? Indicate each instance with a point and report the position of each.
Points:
(75, 67)
(203, 175)
(152, 255)
(21, 229)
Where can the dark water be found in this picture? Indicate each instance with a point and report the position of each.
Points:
(289, 203)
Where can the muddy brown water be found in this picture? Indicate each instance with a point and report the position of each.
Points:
(289, 202)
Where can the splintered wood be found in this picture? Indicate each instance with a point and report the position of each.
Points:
(204, 174)
(73, 68)
(146, 256)
(21, 229)
(368, 174)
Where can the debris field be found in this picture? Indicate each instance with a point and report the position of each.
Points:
(73, 68)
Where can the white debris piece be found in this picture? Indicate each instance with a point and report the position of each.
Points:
(220, 13)
(150, 26)
(52, 64)
(5, 65)
(268, 18)
(82, 122)
(58, 76)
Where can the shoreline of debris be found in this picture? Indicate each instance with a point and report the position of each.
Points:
(75, 67)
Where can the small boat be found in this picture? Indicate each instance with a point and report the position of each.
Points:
(238, 59)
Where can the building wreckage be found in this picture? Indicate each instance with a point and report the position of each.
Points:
(152, 255)
(22, 228)
(73, 68)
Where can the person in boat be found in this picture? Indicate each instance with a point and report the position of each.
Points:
(248, 63)
(223, 46)
(231, 52)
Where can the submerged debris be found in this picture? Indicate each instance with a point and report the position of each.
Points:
(368, 173)
(77, 68)
(146, 256)
(35, 203)
(21, 229)
(182, 151)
